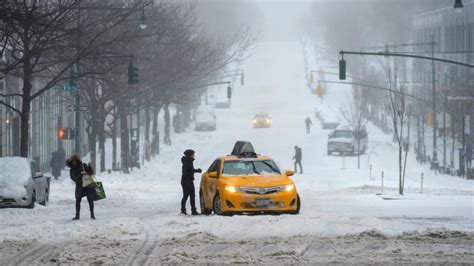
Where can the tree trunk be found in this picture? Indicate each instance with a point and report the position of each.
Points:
(113, 129)
(25, 106)
(93, 144)
(102, 139)
(358, 153)
(147, 134)
(167, 125)
(400, 185)
(156, 139)
(418, 138)
(406, 150)
(453, 136)
(124, 140)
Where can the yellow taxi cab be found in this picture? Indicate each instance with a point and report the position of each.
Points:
(245, 182)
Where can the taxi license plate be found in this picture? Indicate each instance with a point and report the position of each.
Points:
(262, 203)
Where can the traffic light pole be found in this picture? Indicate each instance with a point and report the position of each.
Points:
(435, 121)
(375, 87)
(342, 74)
(78, 123)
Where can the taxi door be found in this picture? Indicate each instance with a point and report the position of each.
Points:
(210, 183)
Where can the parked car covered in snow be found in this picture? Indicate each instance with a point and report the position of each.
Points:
(22, 183)
(205, 118)
(245, 182)
(262, 120)
(344, 141)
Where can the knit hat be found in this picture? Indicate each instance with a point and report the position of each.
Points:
(189, 152)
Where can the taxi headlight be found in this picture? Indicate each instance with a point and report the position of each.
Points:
(231, 189)
(289, 188)
(268, 120)
(255, 121)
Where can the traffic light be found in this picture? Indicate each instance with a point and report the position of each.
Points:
(66, 133)
(342, 69)
(429, 119)
(229, 92)
(132, 74)
(61, 133)
(242, 79)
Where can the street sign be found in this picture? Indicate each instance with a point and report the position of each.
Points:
(69, 87)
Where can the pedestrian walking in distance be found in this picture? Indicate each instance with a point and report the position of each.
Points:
(298, 156)
(57, 162)
(187, 181)
(77, 169)
(308, 123)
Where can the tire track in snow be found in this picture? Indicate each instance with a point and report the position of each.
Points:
(32, 254)
(147, 248)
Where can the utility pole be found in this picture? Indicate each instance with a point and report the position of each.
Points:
(435, 122)
(78, 122)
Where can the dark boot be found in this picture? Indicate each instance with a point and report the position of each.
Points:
(194, 212)
(78, 209)
(184, 212)
(91, 208)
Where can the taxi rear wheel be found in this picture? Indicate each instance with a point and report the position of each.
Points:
(204, 210)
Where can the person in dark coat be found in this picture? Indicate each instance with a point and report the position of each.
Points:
(187, 181)
(76, 171)
(298, 156)
(308, 123)
(57, 162)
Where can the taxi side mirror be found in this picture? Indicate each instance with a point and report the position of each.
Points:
(212, 174)
(289, 172)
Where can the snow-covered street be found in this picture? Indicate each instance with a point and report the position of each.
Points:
(343, 218)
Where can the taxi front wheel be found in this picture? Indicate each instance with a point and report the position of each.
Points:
(217, 206)
(204, 210)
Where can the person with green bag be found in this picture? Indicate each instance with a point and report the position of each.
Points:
(81, 174)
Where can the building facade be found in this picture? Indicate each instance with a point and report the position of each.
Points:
(453, 37)
(49, 112)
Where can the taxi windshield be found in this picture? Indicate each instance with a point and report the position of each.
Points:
(250, 167)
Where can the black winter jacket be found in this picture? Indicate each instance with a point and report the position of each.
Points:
(188, 170)
(76, 169)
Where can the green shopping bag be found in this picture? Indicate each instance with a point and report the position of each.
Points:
(99, 189)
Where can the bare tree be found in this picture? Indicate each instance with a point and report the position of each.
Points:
(45, 39)
(355, 116)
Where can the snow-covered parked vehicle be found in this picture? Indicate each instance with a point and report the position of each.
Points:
(205, 119)
(22, 183)
(345, 141)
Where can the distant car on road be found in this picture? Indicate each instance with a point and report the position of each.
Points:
(22, 183)
(262, 120)
(245, 182)
(205, 118)
(344, 141)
